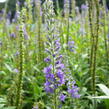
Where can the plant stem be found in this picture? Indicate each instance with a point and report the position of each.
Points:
(105, 35)
(94, 45)
(21, 66)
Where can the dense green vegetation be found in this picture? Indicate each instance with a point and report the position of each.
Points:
(54, 59)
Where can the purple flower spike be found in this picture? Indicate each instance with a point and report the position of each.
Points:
(55, 76)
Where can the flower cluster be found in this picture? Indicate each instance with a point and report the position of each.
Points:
(73, 89)
(54, 72)
(55, 76)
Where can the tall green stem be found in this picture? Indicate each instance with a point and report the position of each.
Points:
(94, 42)
(55, 93)
(21, 66)
(92, 35)
(105, 34)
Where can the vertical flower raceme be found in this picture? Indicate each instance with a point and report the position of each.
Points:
(55, 76)
(54, 72)
(21, 61)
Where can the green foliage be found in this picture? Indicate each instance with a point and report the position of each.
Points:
(31, 91)
(105, 90)
(3, 104)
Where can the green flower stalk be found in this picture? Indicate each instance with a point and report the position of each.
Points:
(91, 32)
(21, 62)
(1, 55)
(96, 43)
(49, 16)
(4, 16)
(67, 14)
(94, 30)
(1, 61)
(73, 3)
(39, 37)
(29, 6)
(105, 32)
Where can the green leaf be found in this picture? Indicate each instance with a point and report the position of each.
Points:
(8, 67)
(101, 97)
(2, 100)
(1, 106)
(2, 73)
(10, 107)
(104, 89)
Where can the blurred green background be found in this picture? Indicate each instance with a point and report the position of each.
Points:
(11, 4)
